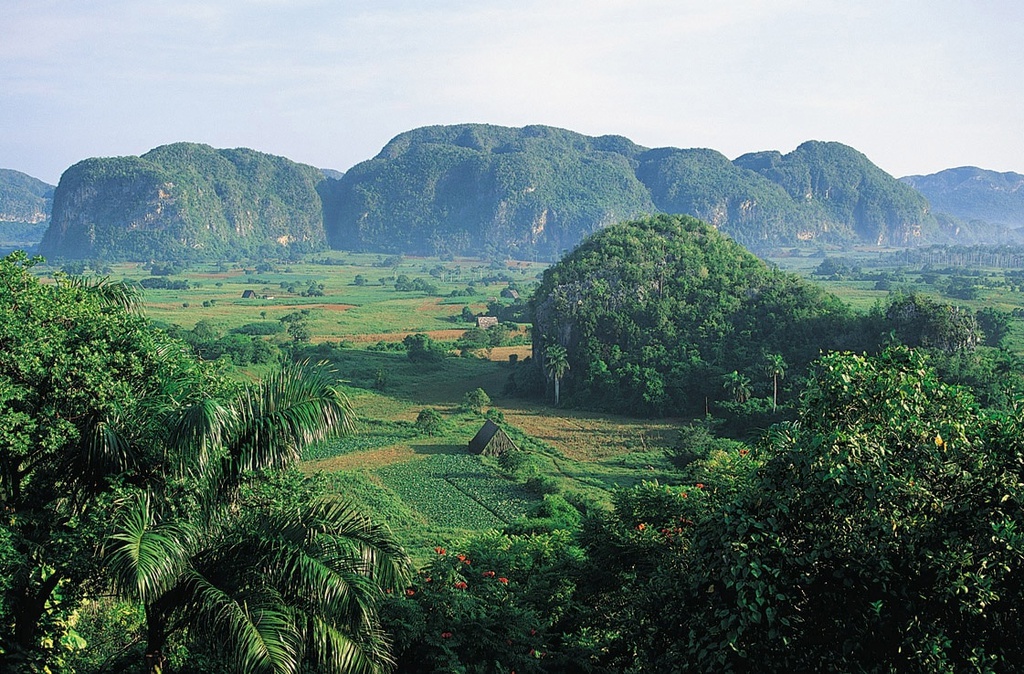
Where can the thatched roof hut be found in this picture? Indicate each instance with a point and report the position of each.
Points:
(490, 440)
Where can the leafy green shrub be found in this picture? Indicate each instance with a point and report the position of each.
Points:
(429, 421)
(476, 400)
(422, 349)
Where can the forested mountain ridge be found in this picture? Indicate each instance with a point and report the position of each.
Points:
(839, 189)
(539, 190)
(185, 200)
(475, 188)
(485, 190)
(974, 194)
(25, 204)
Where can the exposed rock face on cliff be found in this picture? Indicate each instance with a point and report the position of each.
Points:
(185, 200)
(25, 204)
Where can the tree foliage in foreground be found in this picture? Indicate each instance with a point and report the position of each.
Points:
(882, 534)
(124, 462)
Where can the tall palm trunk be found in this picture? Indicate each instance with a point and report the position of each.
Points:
(156, 639)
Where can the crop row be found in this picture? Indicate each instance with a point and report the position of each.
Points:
(505, 499)
(455, 491)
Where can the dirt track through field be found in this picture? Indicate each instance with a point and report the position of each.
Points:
(372, 459)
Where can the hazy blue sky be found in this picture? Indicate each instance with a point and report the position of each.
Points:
(917, 85)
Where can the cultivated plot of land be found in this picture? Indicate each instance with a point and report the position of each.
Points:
(425, 487)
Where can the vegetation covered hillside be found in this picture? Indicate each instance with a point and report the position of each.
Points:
(185, 201)
(25, 204)
(536, 191)
(974, 194)
(840, 190)
(473, 188)
(653, 314)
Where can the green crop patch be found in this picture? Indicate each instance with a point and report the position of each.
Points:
(456, 492)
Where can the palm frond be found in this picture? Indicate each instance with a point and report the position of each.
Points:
(335, 532)
(291, 409)
(145, 558)
(106, 450)
(346, 530)
(119, 294)
(198, 433)
(259, 635)
(340, 652)
(332, 591)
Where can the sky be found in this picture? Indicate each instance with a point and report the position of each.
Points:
(916, 85)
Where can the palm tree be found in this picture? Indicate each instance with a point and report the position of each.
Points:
(276, 585)
(775, 367)
(556, 362)
(737, 385)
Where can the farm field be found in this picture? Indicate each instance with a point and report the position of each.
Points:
(359, 301)
(427, 488)
(430, 489)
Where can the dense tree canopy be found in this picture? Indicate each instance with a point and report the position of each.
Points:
(881, 534)
(654, 312)
(77, 372)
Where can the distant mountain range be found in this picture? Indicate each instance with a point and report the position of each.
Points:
(974, 194)
(475, 189)
(25, 205)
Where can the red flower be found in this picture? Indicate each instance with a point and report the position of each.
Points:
(461, 585)
(410, 592)
(487, 574)
(462, 557)
(503, 580)
(683, 494)
(428, 579)
(441, 551)
(700, 485)
(743, 452)
(641, 526)
(446, 635)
